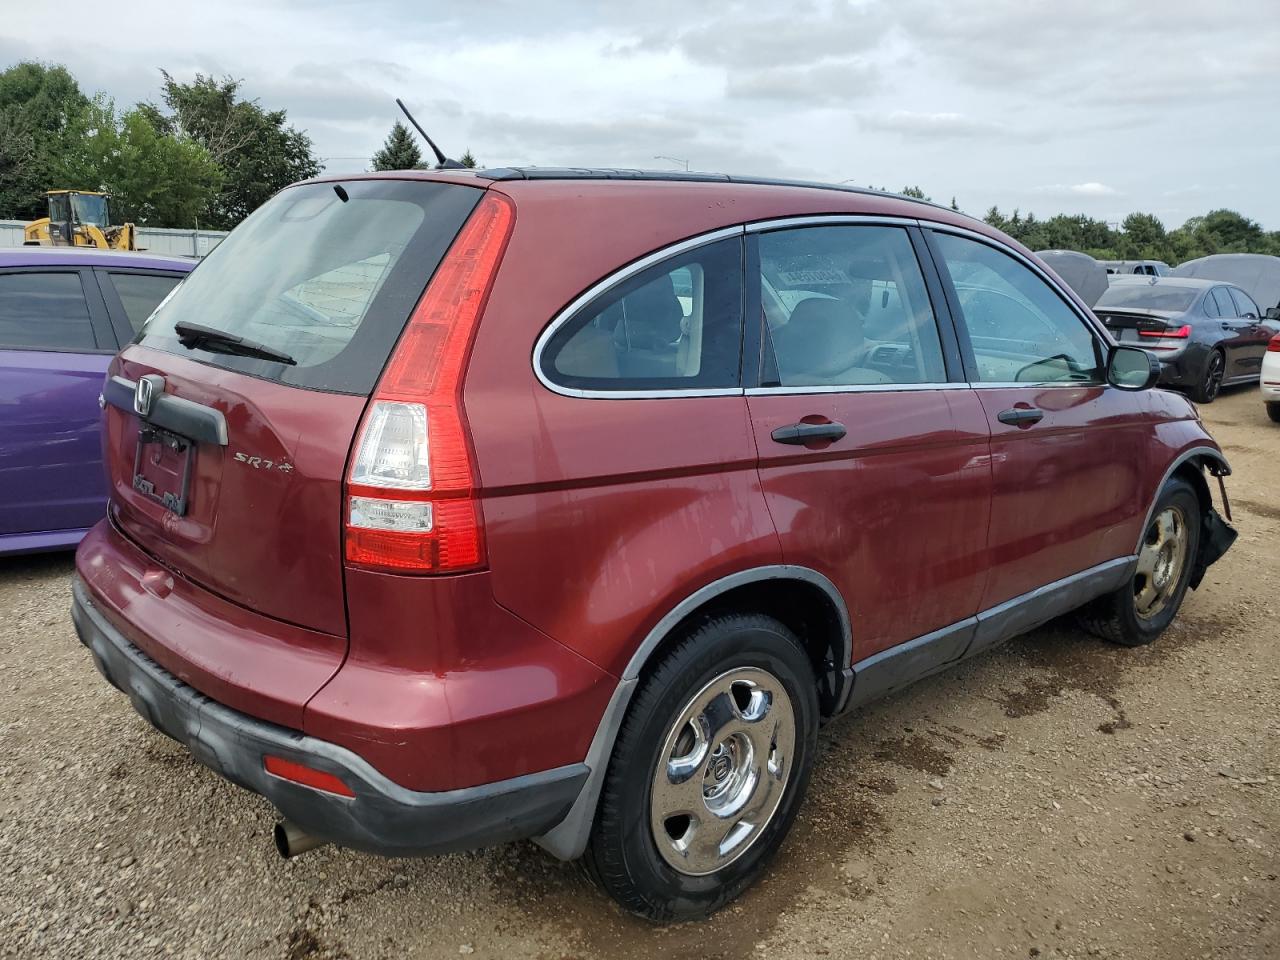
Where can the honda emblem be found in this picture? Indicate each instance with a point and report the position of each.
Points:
(145, 394)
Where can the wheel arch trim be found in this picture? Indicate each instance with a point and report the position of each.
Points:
(567, 840)
(1198, 456)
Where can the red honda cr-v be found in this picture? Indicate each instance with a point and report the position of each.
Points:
(454, 508)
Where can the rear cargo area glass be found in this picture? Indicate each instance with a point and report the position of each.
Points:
(327, 273)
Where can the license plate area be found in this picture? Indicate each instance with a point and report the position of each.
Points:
(162, 468)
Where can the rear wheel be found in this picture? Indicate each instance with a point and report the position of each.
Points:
(1143, 608)
(709, 770)
(1210, 385)
(1273, 411)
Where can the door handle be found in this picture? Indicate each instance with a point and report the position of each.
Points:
(802, 433)
(1020, 416)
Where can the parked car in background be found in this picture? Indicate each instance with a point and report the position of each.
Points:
(1147, 268)
(1205, 334)
(450, 508)
(64, 312)
(1258, 275)
(1271, 379)
(1083, 274)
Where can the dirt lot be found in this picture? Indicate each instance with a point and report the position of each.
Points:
(1057, 798)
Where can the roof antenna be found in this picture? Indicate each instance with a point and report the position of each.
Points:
(444, 163)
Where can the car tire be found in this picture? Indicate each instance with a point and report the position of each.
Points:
(727, 672)
(1141, 610)
(1273, 411)
(1210, 385)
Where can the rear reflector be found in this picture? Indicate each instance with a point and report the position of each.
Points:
(1274, 345)
(411, 505)
(307, 776)
(1181, 333)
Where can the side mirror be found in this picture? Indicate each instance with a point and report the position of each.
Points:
(1132, 368)
(1273, 313)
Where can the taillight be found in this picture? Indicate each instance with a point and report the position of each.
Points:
(1274, 345)
(411, 505)
(1181, 333)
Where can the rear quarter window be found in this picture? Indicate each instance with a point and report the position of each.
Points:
(326, 273)
(676, 325)
(141, 293)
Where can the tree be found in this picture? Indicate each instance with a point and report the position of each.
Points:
(399, 152)
(954, 206)
(38, 102)
(915, 193)
(256, 150)
(468, 160)
(153, 178)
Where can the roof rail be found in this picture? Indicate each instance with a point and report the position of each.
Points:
(622, 173)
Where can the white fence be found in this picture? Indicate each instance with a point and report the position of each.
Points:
(183, 243)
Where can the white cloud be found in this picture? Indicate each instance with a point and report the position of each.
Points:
(912, 124)
(985, 100)
(1092, 189)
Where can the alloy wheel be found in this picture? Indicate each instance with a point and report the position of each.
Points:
(722, 771)
(1213, 376)
(1161, 560)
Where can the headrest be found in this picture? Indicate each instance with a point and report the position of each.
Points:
(652, 315)
(822, 338)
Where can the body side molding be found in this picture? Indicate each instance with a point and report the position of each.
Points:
(900, 666)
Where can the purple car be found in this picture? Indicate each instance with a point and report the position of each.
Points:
(63, 314)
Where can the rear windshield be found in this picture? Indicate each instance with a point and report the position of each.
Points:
(1148, 296)
(326, 273)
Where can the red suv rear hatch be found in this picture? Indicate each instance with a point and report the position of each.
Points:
(283, 330)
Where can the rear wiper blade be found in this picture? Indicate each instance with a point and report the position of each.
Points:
(220, 341)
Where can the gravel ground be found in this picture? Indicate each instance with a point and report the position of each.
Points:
(1056, 798)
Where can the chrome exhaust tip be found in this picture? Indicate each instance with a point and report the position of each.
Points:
(291, 840)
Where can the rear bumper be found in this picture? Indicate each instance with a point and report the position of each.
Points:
(383, 817)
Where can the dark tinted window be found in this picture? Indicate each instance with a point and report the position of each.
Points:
(1223, 307)
(44, 311)
(676, 325)
(327, 276)
(1148, 296)
(1021, 330)
(1245, 307)
(141, 293)
(847, 306)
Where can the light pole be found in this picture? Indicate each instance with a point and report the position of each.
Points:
(673, 160)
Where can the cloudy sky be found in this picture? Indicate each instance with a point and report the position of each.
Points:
(1092, 106)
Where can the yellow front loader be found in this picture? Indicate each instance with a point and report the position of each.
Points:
(78, 218)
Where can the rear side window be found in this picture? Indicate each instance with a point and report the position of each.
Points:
(847, 306)
(326, 273)
(1213, 307)
(1020, 329)
(676, 325)
(1245, 307)
(44, 311)
(140, 294)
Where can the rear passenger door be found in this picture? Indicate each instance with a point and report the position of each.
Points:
(873, 451)
(1068, 452)
(1257, 334)
(1237, 331)
(55, 344)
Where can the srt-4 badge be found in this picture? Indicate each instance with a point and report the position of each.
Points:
(260, 463)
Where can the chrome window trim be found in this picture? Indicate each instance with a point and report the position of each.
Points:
(602, 287)
(856, 388)
(1090, 321)
(1038, 384)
